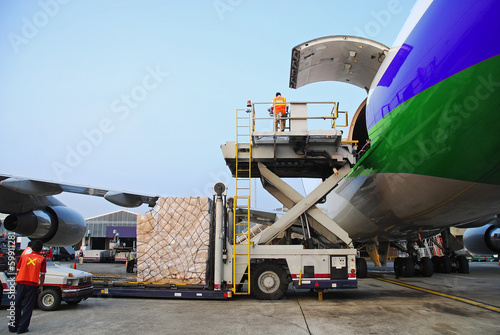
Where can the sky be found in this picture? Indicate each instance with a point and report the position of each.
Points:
(139, 95)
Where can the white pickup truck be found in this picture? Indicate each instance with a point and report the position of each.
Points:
(61, 284)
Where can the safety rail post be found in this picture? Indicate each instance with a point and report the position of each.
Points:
(242, 199)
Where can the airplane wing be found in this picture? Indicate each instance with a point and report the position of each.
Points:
(35, 213)
(33, 187)
(347, 59)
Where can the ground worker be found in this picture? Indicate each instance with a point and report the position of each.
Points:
(31, 270)
(28, 249)
(81, 254)
(130, 262)
(279, 109)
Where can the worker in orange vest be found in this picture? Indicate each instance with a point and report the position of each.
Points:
(280, 108)
(28, 249)
(31, 270)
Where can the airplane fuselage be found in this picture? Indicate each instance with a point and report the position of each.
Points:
(432, 117)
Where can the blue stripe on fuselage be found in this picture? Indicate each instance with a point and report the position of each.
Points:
(450, 37)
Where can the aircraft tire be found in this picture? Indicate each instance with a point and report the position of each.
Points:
(398, 266)
(446, 264)
(361, 268)
(49, 299)
(437, 264)
(408, 267)
(463, 264)
(426, 267)
(269, 281)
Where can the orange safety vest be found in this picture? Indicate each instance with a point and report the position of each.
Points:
(27, 251)
(29, 271)
(279, 104)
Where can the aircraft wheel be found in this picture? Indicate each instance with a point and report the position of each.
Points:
(49, 299)
(269, 281)
(408, 267)
(463, 264)
(426, 267)
(446, 264)
(361, 268)
(437, 264)
(398, 266)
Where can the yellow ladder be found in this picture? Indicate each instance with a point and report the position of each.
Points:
(241, 221)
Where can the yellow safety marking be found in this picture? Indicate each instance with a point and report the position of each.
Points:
(464, 300)
(31, 261)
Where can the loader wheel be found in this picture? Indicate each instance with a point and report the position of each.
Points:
(361, 268)
(269, 281)
(49, 299)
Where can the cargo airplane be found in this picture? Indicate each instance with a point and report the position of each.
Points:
(431, 117)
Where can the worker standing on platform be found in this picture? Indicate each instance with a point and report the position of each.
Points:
(279, 109)
(31, 270)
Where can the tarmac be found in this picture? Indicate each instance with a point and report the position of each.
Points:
(382, 304)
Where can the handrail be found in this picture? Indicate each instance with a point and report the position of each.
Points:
(334, 114)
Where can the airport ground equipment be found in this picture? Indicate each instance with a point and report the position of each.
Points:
(303, 247)
(61, 284)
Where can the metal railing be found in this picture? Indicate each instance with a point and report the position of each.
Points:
(333, 116)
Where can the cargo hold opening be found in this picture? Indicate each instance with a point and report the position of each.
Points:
(357, 130)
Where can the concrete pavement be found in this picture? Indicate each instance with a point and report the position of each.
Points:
(376, 307)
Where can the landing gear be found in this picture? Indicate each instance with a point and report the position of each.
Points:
(451, 262)
(462, 264)
(405, 267)
(425, 266)
(455, 263)
(413, 265)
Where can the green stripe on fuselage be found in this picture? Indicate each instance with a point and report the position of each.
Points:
(450, 130)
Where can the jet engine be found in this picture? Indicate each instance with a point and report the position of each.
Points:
(483, 240)
(54, 226)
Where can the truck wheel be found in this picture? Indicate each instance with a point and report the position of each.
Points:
(49, 299)
(269, 281)
(361, 268)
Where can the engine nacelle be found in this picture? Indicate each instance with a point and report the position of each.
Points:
(483, 241)
(54, 226)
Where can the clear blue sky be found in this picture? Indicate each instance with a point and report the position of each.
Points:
(139, 95)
